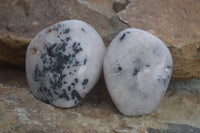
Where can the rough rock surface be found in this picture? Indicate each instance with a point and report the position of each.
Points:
(104, 7)
(21, 112)
(175, 22)
(21, 20)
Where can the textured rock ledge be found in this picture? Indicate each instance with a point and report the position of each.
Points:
(34, 15)
(175, 22)
(179, 109)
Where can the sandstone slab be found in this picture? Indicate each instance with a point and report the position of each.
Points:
(21, 20)
(104, 7)
(177, 23)
(21, 112)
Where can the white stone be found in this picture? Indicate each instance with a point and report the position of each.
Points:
(137, 70)
(64, 62)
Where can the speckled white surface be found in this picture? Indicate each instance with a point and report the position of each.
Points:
(137, 71)
(64, 62)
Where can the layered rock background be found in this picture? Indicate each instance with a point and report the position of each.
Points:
(177, 23)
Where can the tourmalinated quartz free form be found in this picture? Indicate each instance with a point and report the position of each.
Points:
(137, 71)
(64, 62)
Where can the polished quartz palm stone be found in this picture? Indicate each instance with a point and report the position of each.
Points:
(137, 71)
(64, 62)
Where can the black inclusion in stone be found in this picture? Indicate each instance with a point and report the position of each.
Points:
(54, 62)
(73, 55)
(55, 92)
(85, 81)
(68, 38)
(57, 83)
(136, 70)
(122, 37)
(73, 84)
(43, 89)
(138, 65)
(55, 27)
(76, 48)
(75, 94)
(67, 58)
(119, 68)
(63, 46)
(44, 59)
(64, 95)
(76, 80)
(83, 29)
(147, 65)
(37, 74)
(76, 62)
(169, 67)
(50, 50)
(69, 88)
(85, 61)
(66, 31)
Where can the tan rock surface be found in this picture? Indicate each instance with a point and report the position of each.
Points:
(104, 7)
(21, 20)
(21, 112)
(177, 23)
(13, 50)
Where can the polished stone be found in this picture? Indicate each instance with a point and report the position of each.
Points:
(64, 62)
(137, 71)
